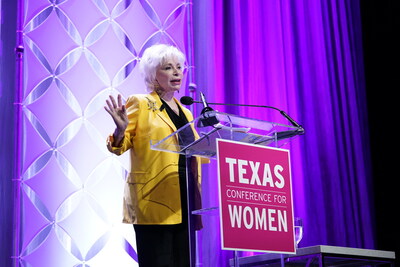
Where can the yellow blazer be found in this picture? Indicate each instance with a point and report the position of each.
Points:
(152, 194)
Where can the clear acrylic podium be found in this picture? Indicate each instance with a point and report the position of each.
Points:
(214, 125)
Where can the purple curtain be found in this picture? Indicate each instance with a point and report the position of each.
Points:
(8, 11)
(304, 57)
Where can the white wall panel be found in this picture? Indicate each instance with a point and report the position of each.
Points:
(77, 52)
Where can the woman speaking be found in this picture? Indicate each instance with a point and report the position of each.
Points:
(155, 197)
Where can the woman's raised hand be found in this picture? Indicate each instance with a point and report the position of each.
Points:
(118, 114)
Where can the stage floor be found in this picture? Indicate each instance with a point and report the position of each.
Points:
(321, 256)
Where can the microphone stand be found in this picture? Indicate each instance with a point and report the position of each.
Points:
(208, 114)
(299, 131)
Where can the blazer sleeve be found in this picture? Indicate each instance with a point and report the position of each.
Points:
(132, 109)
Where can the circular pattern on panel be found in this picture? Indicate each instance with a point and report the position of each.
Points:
(77, 52)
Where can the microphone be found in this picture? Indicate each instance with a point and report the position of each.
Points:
(208, 117)
(203, 100)
(187, 100)
(205, 104)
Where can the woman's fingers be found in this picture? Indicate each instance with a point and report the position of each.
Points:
(119, 100)
(110, 106)
(117, 112)
(113, 102)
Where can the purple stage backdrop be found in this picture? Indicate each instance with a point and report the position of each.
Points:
(304, 57)
(301, 56)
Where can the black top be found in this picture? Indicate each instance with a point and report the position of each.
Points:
(186, 136)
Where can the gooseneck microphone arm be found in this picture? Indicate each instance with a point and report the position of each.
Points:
(187, 100)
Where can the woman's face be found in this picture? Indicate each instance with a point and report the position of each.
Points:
(169, 75)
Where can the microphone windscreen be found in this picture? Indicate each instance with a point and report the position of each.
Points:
(186, 100)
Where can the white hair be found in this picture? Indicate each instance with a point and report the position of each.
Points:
(155, 56)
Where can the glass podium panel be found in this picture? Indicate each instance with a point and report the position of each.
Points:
(210, 126)
(217, 125)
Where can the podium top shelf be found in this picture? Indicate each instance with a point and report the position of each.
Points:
(214, 125)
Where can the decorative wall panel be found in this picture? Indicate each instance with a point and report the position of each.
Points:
(77, 52)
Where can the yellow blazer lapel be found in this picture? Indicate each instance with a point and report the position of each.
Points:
(153, 97)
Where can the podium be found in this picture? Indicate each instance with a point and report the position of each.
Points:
(211, 126)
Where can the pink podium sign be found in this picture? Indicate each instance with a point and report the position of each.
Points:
(255, 195)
